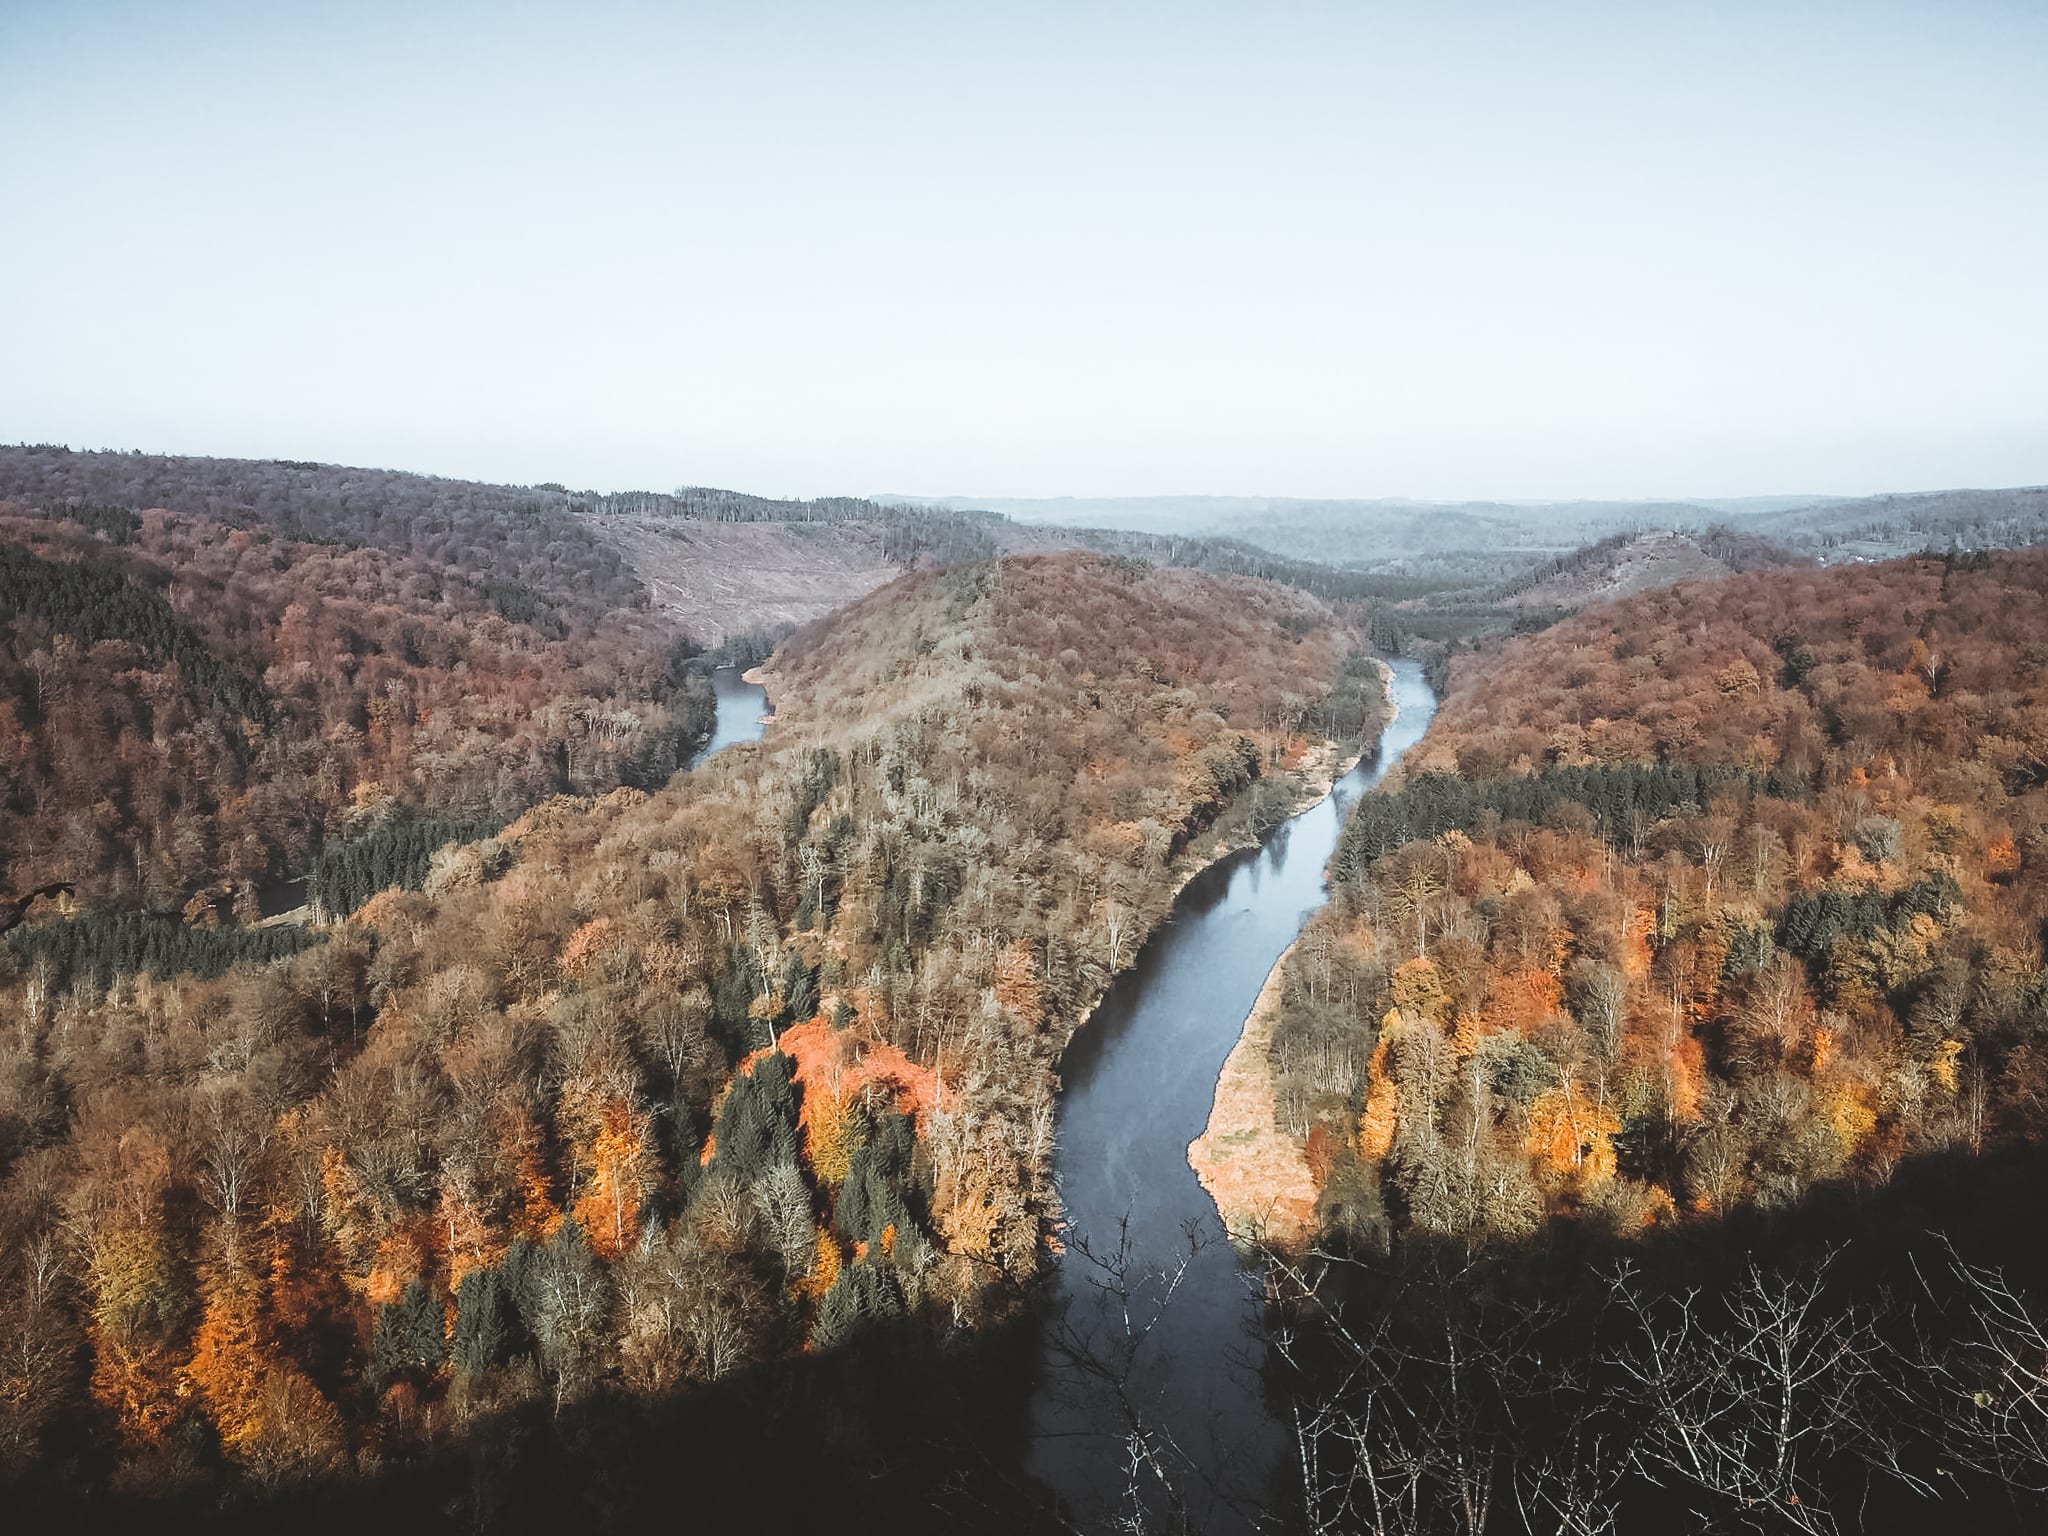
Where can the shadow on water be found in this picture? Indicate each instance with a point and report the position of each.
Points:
(1137, 1086)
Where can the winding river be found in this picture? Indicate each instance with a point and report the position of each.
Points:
(1137, 1085)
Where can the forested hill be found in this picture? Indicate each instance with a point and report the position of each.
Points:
(525, 542)
(192, 711)
(541, 547)
(1970, 519)
(649, 1094)
(226, 678)
(545, 537)
(1693, 902)
(1480, 543)
(708, 557)
(1670, 1062)
(720, 567)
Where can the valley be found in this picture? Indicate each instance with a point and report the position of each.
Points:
(1057, 770)
(757, 1061)
(467, 1017)
(1136, 1087)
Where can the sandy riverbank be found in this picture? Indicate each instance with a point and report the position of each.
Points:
(1257, 1174)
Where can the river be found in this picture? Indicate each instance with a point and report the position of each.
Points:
(742, 713)
(1137, 1085)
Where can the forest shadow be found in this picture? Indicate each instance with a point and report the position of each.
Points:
(1864, 1359)
(1933, 1203)
(897, 1433)
(890, 1432)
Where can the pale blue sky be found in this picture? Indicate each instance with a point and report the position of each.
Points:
(1428, 250)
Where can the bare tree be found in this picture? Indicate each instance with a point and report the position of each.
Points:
(1989, 1396)
(1433, 1410)
(1109, 1345)
(1749, 1399)
(233, 1138)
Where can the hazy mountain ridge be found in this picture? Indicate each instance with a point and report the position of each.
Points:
(596, 547)
(715, 563)
(1484, 541)
(1212, 513)
(1996, 518)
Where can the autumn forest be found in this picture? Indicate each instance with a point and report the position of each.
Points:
(430, 1090)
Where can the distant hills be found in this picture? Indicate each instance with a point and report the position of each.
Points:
(720, 563)
(1220, 514)
(1896, 524)
(1490, 541)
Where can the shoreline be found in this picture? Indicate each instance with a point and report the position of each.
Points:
(1314, 778)
(1321, 781)
(1317, 777)
(1315, 785)
(1258, 1178)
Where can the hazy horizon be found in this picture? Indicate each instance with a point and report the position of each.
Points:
(971, 501)
(1312, 252)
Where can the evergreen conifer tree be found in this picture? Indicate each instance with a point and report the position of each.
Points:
(757, 1127)
(485, 1321)
(409, 1341)
(864, 1296)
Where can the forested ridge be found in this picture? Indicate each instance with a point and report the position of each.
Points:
(1646, 1057)
(525, 539)
(1730, 887)
(192, 711)
(648, 1094)
(545, 553)
(542, 550)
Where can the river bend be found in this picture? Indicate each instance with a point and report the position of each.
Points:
(1137, 1085)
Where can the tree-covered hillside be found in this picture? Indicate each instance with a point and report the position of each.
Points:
(1670, 1066)
(192, 711)
(1690, 902)
(648, 1094)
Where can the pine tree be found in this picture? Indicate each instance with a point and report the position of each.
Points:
(485, 1322)
(410, 1341)
(520, 1274)
(880, 1183)
(757, 1127)
(864, 1296)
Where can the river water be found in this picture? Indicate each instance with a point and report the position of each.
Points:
(742, 712)
(1137, 1085)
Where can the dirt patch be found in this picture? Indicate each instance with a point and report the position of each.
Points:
(723, 579)
(1257, 1175)
(1655, 560)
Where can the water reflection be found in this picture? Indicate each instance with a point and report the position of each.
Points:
(1152, 1314)
(742, 712)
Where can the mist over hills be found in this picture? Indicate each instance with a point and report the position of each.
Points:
(1209, 514)
(1489, 540)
